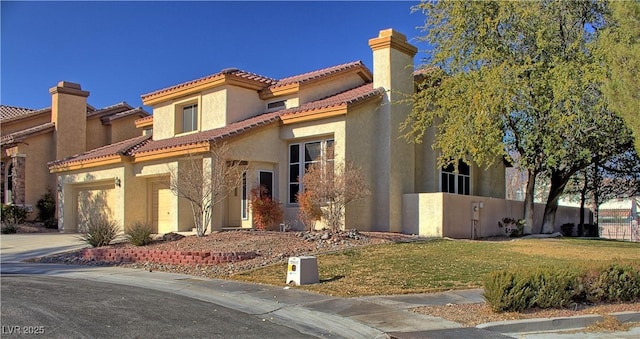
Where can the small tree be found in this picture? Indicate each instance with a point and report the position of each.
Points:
(205, 186)
(329, 188)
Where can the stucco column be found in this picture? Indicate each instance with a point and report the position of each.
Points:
(395, 167)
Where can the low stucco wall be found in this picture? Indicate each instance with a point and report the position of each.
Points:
(452, 215)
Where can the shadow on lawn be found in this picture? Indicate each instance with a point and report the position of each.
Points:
(337, 277)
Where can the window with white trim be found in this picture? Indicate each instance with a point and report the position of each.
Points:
(452, 182)
(301, 157)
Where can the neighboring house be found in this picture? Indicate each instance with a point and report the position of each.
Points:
(619, 219)
(32, 138)
(278, 127)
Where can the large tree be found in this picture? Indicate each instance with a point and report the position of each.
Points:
(507, 77)
(619, 45)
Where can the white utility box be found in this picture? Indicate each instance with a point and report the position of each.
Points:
(303, 270)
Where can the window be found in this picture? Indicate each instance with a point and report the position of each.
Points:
(452, 182)
(301, 157)
(189, 118)
(245, 200)
(265, 179)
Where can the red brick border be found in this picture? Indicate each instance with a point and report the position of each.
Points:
(129, 255)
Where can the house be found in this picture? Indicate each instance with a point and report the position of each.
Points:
(278, 127)
(33, 137)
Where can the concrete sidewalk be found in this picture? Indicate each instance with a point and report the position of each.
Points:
(307, 312)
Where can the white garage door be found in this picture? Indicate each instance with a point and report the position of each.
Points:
(94, 203)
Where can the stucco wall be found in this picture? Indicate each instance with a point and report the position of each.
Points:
(163, 121)
(97, 133)
(243, 103)
(123, 129)
(361, 134)
(323, 89)
(18, 125)
(422, 213)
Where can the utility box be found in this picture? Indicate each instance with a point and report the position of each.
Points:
(303, 270)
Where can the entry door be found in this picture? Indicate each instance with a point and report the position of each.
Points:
(161, 207)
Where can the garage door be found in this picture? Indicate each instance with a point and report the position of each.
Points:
(94, 203)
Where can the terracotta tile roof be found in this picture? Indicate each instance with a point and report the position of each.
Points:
(138, 110)
(18, 136)
(119, 107)
(145, 119)
(11, 113)
(321, 73)
(347, 97)
(229, 71)
(236, 128)
(7, 112)
(141, 145)
(120, 148)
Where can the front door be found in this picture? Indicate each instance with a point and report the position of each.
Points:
(160, 206)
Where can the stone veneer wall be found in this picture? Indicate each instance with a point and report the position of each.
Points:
(130, 255)
(18, 192)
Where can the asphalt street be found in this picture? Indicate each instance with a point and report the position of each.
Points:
(53, 307)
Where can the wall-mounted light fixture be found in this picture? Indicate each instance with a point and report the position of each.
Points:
(59, 188)
(117, 181)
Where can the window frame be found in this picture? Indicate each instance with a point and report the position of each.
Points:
(457, 178)
(302, 164)
(194, 116)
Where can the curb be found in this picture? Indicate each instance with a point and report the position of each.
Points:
(554, 324)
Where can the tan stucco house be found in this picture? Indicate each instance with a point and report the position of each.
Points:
(31, 138)
(277, 126)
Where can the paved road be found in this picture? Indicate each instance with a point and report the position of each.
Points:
(72, 308)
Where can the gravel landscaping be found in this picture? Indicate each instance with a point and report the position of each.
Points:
(277, 247)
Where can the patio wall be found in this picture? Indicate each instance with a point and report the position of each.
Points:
(452, 215)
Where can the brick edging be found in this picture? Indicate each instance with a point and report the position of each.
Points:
(131, 255)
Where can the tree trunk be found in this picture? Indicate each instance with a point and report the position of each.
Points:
(558, 183)
(529, 202)
(583, 197)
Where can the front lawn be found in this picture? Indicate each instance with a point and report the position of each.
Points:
(444, 264)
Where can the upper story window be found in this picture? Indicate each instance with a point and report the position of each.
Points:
(189, 118)
(452, 182)
(301, 157)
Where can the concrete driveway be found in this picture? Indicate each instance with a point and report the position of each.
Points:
(18, 247)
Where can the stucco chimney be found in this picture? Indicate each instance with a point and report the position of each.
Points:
(69, 114)
(393, 71)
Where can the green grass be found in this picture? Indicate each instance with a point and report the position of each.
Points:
(444, 264)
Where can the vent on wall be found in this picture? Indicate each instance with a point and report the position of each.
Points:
(276, 105)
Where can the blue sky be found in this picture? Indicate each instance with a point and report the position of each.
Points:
(121, 50)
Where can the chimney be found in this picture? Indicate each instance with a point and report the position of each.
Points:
(69, 114)
(393, 71)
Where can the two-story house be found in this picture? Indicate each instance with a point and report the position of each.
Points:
(278, 126)
(31, 138)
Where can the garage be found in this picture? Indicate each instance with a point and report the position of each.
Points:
(94, 202)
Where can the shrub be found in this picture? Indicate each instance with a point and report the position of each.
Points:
(308, 212)
(267, 213)
(46, 207)
(100, 232)
(553, 287)
(567, 229)
(51, 223)
(615, 283)
(512, 227)
(12, 216)
(139, 233)
(507, 291)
